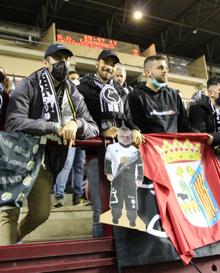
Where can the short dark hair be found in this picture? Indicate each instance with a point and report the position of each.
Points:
(72, 72)
(213, 81)
(153, 58)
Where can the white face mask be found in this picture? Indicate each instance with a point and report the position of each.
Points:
(76, 82)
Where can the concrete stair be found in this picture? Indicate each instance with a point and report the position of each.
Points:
(65, 223)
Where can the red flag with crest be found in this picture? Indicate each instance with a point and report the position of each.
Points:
(186, 178)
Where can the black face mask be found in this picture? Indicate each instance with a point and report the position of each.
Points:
(59, 71)
(217, 101)
(2, 77)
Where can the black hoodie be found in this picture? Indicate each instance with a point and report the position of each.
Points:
(158, 112)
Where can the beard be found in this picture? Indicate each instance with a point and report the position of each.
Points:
(107, 70)
(105, 76)
(162, 79)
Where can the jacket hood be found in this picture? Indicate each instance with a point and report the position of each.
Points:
(142, 86)
(90, 79)
(34, 78)
(206, 103)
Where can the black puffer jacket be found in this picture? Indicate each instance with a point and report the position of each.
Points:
(158, 112)
(202, 118)
(91, 93)
(25, 110)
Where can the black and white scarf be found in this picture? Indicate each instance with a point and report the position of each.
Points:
(217, 120)
(57, 106)
(49, 97)
(1, 99)
(111, 103)
(216, 113)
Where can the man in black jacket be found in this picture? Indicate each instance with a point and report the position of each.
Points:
(45, 104)
(107, 102)
(155, 107)
(205, 114)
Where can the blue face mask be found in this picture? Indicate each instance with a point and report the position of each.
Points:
(158, 84)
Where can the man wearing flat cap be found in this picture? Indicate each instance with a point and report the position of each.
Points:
(45, 104)
(108, 105)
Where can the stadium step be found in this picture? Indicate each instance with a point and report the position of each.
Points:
(65, 223)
